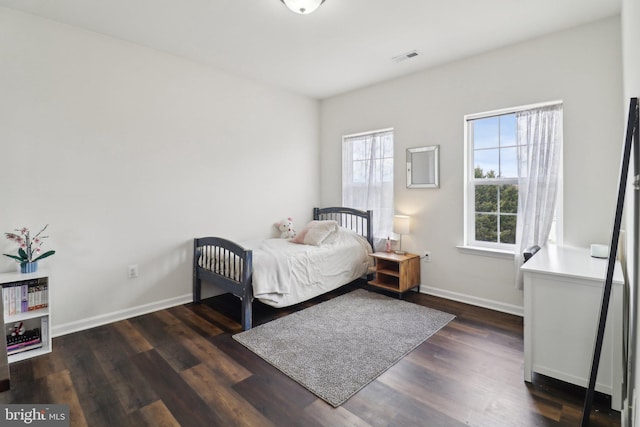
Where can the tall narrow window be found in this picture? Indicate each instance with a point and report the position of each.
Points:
(497, 161)
(367, 177)
(494, 183)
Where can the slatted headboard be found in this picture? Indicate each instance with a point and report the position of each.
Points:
(349, 218)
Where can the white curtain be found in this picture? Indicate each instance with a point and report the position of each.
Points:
(367, 179)
(540, 139)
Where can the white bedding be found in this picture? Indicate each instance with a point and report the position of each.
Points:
(285, 273)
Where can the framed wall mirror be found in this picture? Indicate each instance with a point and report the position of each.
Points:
(423, 167)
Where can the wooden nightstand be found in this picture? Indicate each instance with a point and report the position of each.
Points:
(396, 273)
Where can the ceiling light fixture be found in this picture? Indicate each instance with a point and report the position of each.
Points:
(303, 7)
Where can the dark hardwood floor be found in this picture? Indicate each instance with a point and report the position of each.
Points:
(180, 366)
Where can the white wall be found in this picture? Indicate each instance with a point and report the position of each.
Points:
(581, 66)
(129, 153)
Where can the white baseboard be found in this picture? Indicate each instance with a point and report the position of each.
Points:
(468, 299)
(103, 319)
(91, 322)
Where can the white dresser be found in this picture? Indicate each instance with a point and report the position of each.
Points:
(562, 300)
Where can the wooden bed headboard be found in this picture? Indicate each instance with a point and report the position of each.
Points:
(349, 218)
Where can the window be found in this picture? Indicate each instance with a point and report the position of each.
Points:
(493, 183)
(367, 177)
(495, 159)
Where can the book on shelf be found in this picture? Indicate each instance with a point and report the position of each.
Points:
(44, 328)
(32, 345)
(19, 339)
(25, 295)
(23, 349)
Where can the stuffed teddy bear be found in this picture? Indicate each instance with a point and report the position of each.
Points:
(286, 228)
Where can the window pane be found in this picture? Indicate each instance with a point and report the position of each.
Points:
(486, 198)
(486, 132)
(523, 152)
(486, 228)
(508, 163)
(360, 171)
(387, 170)
(360, 149)
(359, 195)
(507, 130)
(509, 199)
(381, 170)
(486, 163)
(387, 147)
(377, 148)
(508, 228)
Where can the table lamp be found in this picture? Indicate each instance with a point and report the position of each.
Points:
(401, 225)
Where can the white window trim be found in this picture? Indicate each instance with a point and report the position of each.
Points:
(503, 111)
(485, 251)
(500, 250)
(369, 132)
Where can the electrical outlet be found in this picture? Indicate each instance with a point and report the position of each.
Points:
(133, 271)
(426, 256)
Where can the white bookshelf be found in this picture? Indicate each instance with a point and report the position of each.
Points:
(40, 317)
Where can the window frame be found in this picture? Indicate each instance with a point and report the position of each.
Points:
(472, 245)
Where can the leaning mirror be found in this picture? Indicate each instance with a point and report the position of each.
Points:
(422, 167)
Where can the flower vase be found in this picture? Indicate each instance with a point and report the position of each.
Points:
(29, 267)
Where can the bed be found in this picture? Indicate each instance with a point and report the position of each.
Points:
(281, 273)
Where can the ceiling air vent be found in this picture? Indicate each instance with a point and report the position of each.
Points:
(406, 55)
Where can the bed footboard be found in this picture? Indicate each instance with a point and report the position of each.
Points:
(226, 265)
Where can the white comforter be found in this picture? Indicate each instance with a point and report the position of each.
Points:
(285, 273)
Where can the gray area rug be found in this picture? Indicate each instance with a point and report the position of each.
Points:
(339, 346)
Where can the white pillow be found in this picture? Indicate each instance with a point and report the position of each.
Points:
(316, 232)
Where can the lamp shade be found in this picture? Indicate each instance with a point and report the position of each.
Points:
(401, 224)
(303, 7)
